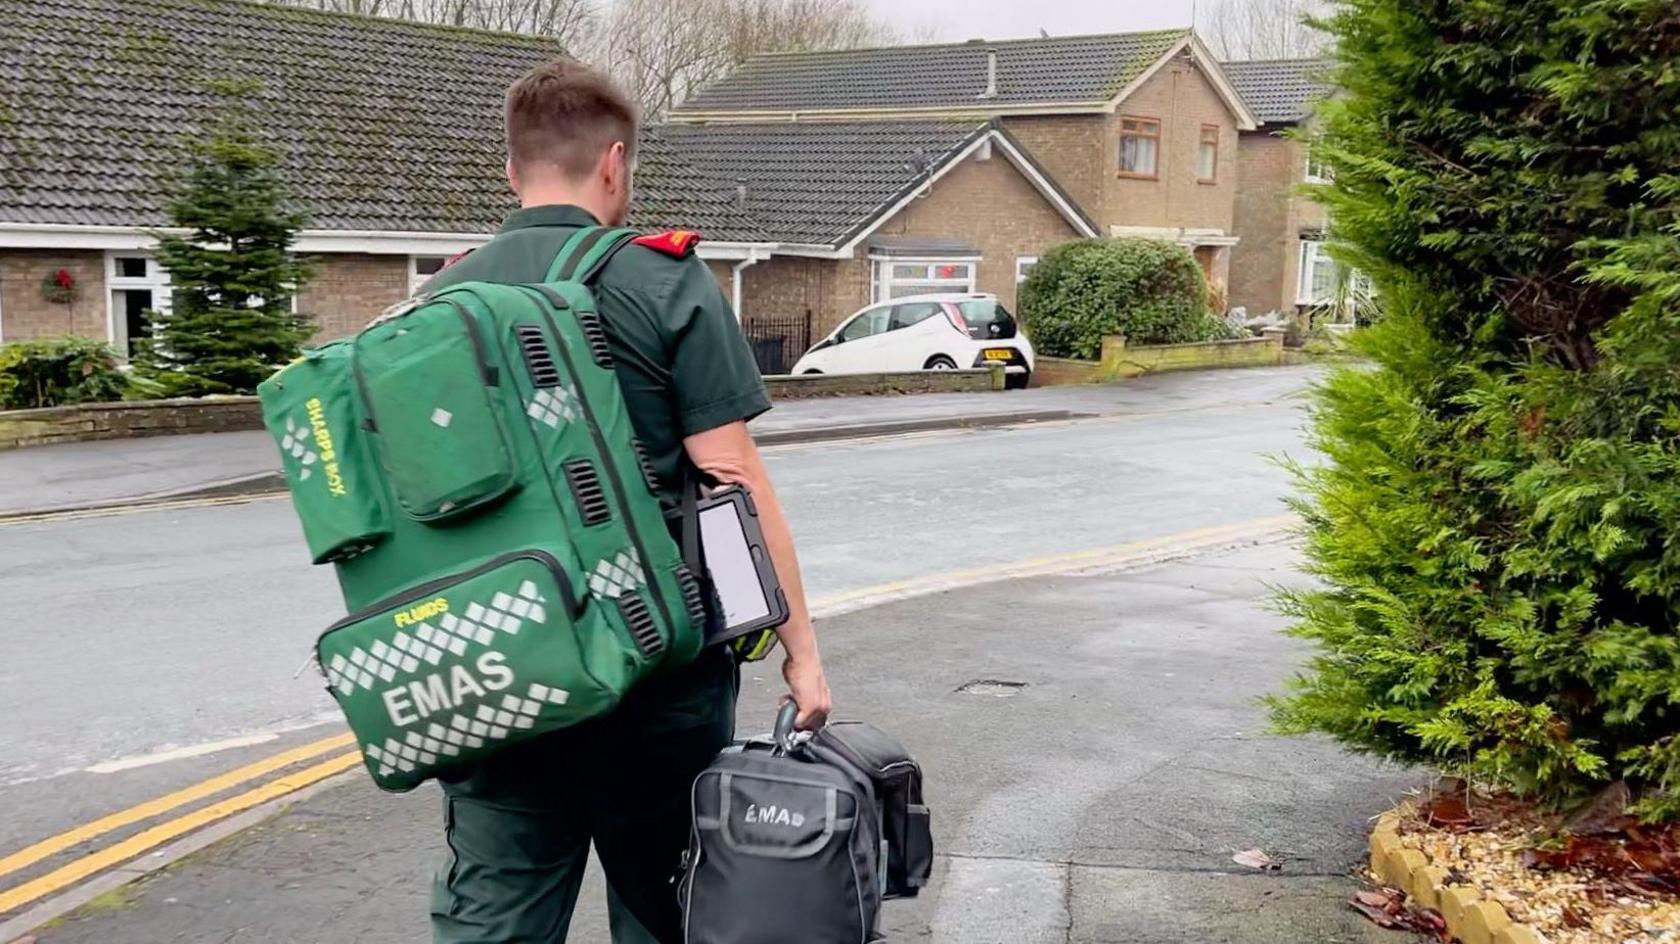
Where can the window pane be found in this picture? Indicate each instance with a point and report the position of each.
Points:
(131, 267)
(1207, 161)
(428, 265)
(1146, 155)
(864, 325)
(903, 316)
(901, 271)
(958, 271)
(907, 289)
(1324, 279)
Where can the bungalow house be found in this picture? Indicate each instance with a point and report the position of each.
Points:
(387, 132)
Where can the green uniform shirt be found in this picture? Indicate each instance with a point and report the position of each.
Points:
(681, 359)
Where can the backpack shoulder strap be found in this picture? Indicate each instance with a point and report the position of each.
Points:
(586, 253)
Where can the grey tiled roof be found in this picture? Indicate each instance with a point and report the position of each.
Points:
(1033, 71)
(672, 192)
(817, 182)
(1280, 91)
(382, 125)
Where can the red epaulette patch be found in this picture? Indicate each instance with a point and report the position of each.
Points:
(677, 243)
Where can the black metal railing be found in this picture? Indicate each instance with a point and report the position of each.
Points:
(777, 341)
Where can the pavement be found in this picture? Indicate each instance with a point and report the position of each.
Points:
(46, 479)
(1102, 802)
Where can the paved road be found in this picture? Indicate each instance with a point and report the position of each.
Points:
(135, 640)
(1101, 804)
(83, 474)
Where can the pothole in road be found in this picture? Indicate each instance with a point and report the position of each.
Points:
(993, 688)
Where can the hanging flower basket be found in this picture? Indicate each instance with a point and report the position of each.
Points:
(59, 287)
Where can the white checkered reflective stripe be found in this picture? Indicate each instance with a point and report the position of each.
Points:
(296, 444)
(422, 646)
(463, 731)
(553, 406)
(617, 575)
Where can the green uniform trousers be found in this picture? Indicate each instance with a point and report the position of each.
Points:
(520, 827)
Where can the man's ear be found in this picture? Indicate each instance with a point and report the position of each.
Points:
(512, 177)
(615, 168)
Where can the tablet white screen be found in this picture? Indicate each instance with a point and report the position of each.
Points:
(730, 560)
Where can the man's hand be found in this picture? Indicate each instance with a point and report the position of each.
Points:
(807, 688)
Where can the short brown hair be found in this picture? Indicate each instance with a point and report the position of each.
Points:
(564, 113)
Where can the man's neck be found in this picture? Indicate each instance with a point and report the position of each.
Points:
(561, 196)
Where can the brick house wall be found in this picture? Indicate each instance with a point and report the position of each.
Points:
(349, 290)
(990, 204)
(1271, 219)
(724, 271)
(1072, 149)
(26, 315)
(1183, 100)
(1083, 153)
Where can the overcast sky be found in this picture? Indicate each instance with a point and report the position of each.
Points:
(957, 20)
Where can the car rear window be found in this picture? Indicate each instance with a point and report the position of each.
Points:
(986, 319)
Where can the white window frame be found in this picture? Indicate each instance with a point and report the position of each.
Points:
(1316, 172)
(156, 280)
(882, 280)
(1313, 253)
(1023, 265)
(1155, 138)
(415, 277)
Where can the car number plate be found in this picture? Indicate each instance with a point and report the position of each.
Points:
(999, 354)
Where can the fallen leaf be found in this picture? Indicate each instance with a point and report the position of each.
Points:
(1387, 908)
(1376, 899)
(1255, 859)
(1376, 915)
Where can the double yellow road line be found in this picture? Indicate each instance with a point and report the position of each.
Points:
(19, 895)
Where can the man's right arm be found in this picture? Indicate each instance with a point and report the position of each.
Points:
(717, 390)
(729, 455)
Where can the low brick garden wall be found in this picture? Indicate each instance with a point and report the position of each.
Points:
(1120, 360)
(853, 385)
(92, 421)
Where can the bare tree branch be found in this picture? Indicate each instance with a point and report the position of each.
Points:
(663, 50)
(1261, 29)
(660, 50)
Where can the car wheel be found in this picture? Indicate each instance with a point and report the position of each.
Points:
(809, 371)
(940, 362)
(1017, 381)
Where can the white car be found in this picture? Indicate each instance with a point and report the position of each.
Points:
(925, 332)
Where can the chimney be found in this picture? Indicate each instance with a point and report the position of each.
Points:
(991, 74)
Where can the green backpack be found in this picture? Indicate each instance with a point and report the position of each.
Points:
(469, 468)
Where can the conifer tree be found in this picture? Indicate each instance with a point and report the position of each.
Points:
(234, 274)
(1495, 527)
